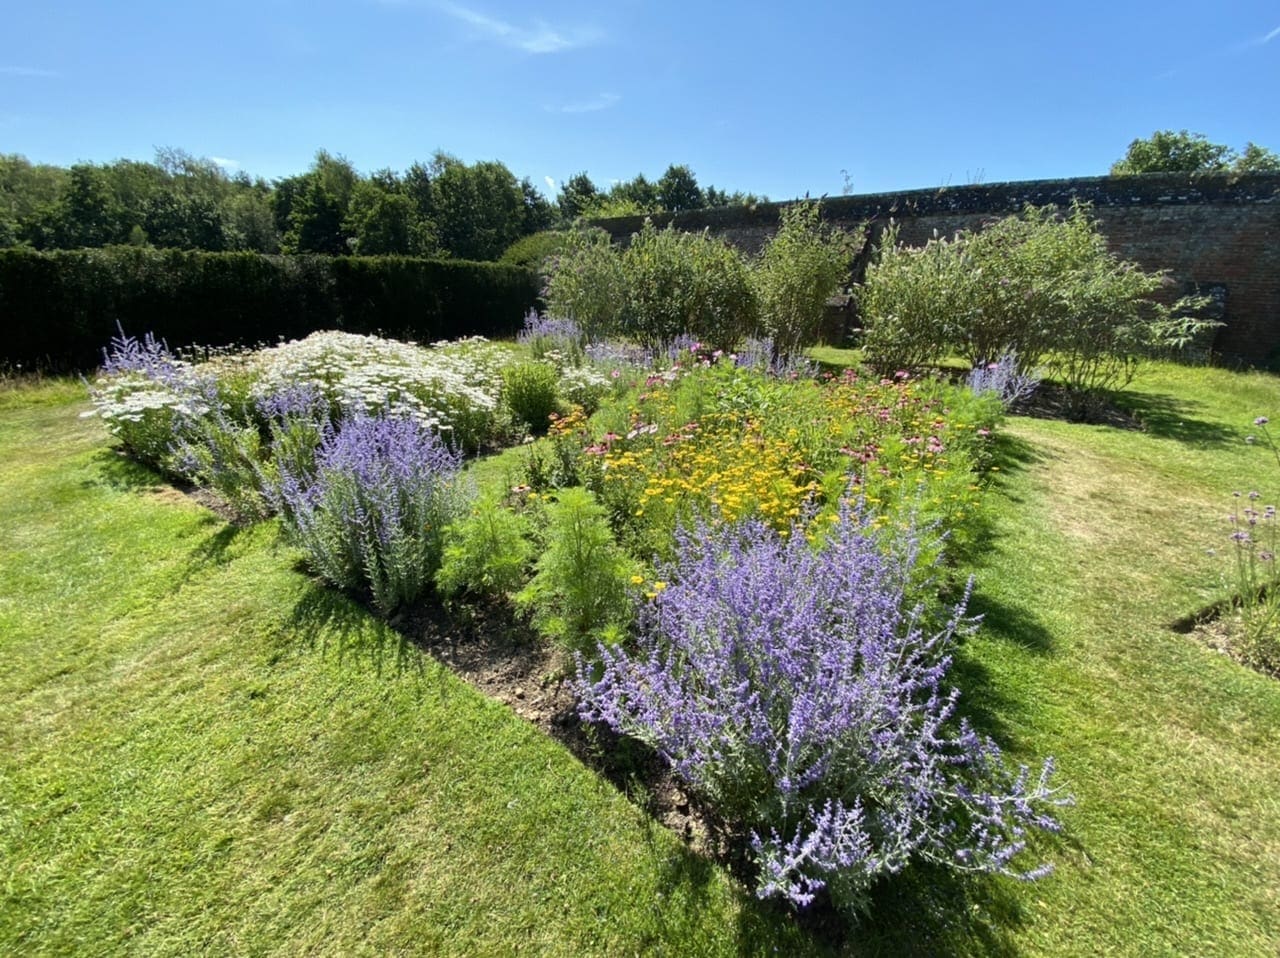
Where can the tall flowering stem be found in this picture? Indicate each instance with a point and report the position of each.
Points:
(803, 694)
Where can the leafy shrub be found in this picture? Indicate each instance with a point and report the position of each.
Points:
(686, 283)
(910, 300)
(534, 250)
(529, 391)
(580, 590)
(802, 266)
(373, 516)
(585, 283)
(488, 552)
(799, 692)
(1042, 287)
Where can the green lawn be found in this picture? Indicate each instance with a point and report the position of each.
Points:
(203, 751)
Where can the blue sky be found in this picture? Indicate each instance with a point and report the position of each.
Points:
(772, 98)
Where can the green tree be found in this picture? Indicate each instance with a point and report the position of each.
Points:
(539, 213)
(678, 190)
(1256, 159)
(640, 193)
(479, 208)
(318, 206)
(380, 221)
(1168, 152)
(577, 196)
(88, 212)
(28, 194)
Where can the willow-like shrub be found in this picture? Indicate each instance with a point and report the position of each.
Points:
(803, 694)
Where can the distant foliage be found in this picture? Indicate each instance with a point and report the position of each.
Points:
(801, 693)
(534, 250)
(373, 515)
(1168, 152)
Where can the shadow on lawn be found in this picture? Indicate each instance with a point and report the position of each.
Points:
(119, 471)
(337, 624)
(1167, 417)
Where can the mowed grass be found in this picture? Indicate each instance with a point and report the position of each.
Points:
(202, 750)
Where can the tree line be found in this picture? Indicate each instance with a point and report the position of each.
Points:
(442, 208)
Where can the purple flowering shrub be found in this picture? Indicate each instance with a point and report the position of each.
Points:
(147, 397)
(803, 694)
(1003, 379)
(373, 513)
(548, 335)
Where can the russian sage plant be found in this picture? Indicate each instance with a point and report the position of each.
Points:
(1004, 380)
(548, 335)
(147, 396)
(803, 695)
(374, 512)
(1255, 535)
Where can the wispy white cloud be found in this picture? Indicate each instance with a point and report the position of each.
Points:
(601, 102)
(1255, 42)
(552, 185)
(225, 163)
(538, 37)
(16, 71)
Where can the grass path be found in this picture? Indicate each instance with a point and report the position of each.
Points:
(1172, 750)
(200, 750)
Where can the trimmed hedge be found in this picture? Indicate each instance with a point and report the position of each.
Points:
(60, 307)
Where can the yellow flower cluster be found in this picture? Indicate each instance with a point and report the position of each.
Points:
(719, 471)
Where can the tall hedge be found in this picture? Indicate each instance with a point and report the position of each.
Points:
(59, 308)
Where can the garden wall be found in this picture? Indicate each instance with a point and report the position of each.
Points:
(1215, 233)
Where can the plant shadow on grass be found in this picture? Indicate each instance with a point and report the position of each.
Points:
(120, 471)
(1168, 417)
(337, 624)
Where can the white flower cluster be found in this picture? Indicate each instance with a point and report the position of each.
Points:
(447, 386)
